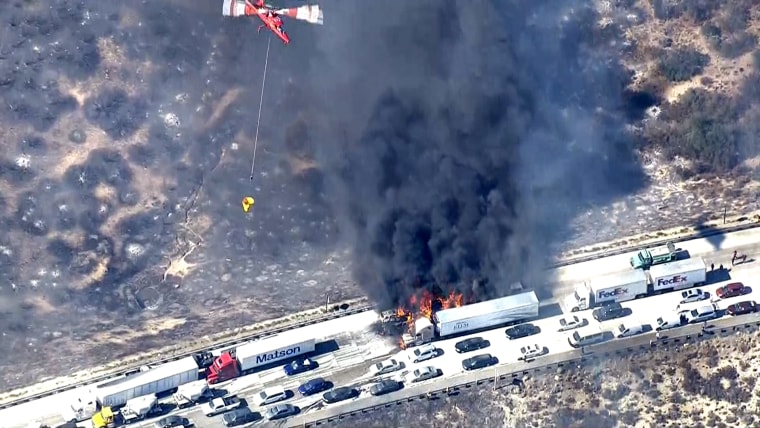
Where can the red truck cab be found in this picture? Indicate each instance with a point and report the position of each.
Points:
(224, 367)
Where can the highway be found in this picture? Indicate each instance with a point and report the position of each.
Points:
(360, 347)
(353, 334)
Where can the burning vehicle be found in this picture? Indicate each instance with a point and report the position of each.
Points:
(454, 317)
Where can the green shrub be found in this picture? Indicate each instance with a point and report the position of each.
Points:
(682, 64)
(700, 10)
(666, 9)
(737, 44)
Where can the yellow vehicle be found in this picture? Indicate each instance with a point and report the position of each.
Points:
(104, 418)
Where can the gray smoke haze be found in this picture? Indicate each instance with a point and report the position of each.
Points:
(462, 137)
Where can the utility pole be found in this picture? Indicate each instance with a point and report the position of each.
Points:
(724, 214)
(327, 301)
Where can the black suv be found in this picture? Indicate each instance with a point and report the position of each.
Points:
(608, 312)
(471, 344)
(239, 416)
(522, 330)
(478, 362)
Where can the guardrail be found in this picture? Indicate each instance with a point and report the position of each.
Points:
(365, 307)
(232, 342)
(697, 234)
(505, 375)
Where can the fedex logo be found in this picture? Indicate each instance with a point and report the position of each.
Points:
(671, 281)
(612, 293)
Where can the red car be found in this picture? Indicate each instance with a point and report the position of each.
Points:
(731, 290)
(742, 308)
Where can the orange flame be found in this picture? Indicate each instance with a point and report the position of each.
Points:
(422, 305)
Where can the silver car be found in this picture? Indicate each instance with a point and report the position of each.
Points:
(385, 367)
(692, 295)
(532, 351)
(571, 322)
(422, 374)
(424, 352)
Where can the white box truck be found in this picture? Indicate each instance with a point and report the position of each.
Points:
(617, 287)
(476, 316)
(152, 381)
(139, 408)
(192, 393)
(678, 275)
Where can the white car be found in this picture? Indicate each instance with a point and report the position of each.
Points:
(692, 295)
(571, 322)
(422, 374)
(270, 395)
(424, 352)
(701, 314)
(628, 329)
(385, 367)
(532, 351)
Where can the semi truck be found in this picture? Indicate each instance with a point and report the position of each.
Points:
(117, 392)
(491, 313)
(237, 361)
(649, 257)
(192, 393)
(629, 285)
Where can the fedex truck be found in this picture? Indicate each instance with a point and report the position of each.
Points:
(617, 287)
(678, 275)
(238, 361)
(630, 285)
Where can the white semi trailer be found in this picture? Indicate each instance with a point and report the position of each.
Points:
(152, 381)
(629, 285)
(117, 392)
(477, 316)
(678, 275)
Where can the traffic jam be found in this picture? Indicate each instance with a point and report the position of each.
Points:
(198, 381)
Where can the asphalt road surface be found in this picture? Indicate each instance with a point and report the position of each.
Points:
(353, 367)
(354, 335)
(715, 249)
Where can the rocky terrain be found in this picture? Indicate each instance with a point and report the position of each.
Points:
(710, 384)
(127, 136)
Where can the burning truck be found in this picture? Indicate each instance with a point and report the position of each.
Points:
(454, 318)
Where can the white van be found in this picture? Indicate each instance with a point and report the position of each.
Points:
(270, 395)
(668, 321)
(627, 329)
(585, 337)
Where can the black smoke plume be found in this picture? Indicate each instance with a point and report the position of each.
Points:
(463, 137)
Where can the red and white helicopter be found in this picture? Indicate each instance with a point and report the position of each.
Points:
(270, 16)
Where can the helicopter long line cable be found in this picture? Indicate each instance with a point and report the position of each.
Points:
(261, 105)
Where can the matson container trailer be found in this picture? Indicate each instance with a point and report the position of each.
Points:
(629, 285)
(491, 313)
(238, 361)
